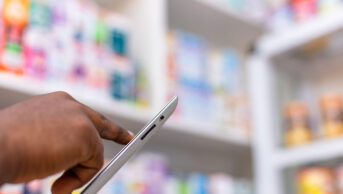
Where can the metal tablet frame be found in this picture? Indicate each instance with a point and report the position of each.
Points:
(131, 148)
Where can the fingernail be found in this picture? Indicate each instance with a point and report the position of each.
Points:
(131, 133)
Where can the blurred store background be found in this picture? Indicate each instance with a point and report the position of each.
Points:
(259, 82)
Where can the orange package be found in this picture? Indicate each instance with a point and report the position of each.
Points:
(15, 19)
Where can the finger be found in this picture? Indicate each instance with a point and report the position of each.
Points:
(79, 175)
(73, 179)
(107, 129)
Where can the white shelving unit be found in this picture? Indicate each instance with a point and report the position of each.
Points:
(25, 87)
(189, 145)
(231, 13)
(318, 151)
(278, 42)
(203, 17)
(265, 80)
(186, 142)
(185, 134)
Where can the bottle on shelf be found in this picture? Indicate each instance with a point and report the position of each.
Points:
(332, 115)
(15, 19)
(59, 55)
(36, 50)
(149, 173)
(297, 120)
(123, 71)
(303, 9)
(316, 179)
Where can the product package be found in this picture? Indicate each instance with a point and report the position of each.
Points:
(190, 67)
(36, 39)
(297, 124)
(71, 44)
(319, 180)
(332, 115)
(15, 14)
(59, 55)
(303, 9)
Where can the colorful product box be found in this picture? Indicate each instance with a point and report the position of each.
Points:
(303, 9)
(149, 173)
(70, 42)
(15, 18)
(59, 56)
(209, 82)
(36, 39)
(190, 68)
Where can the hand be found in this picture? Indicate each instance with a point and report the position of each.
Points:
(51, 133)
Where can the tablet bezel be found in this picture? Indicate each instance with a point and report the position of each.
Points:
(131, 148)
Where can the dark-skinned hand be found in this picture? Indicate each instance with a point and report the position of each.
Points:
(52, 133)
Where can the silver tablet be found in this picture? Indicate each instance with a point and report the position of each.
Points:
(136, 144)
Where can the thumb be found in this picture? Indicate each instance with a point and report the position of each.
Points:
(73, 179)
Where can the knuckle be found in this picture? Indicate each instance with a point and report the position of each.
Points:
(118, 135)
(105, 128)
(83, 125)
(78, 107)
(103, 118)
(63, 94)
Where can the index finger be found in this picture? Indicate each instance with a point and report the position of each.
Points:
(107, 129)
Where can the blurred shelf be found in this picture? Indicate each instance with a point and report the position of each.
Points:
(318, 151)
(208, 4)
(206, 130)
(190, 145)
(298, 34)
(220, 7)
(191, 135)
(204, 17)
(30, 87)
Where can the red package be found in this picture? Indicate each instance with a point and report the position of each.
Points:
(303, 9)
